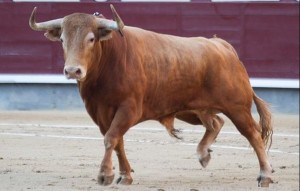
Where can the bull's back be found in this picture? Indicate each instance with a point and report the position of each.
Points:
(181, 70)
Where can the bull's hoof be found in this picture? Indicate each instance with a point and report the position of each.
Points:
(205, 160)
(124, 180)
(105, 180)
(264, 181)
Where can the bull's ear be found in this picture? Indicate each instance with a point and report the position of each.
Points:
(105, 34)
(53, 35)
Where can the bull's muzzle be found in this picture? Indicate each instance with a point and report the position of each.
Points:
(73, 72)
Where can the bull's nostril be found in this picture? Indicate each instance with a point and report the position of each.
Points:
(78, 72)
(66, 72)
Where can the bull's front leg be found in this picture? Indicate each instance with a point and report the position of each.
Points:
(124, 166)
(123, 119)
(106, 174)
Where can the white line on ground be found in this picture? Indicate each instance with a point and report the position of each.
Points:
(135, 128)
(140, 141)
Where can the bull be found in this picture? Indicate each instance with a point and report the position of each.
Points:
(127, 75)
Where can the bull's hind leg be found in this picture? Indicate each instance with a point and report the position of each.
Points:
(213, 124)
(246, 125)
(168, 122)
(124, 166)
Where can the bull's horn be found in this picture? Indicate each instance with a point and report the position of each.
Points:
(116, 25)
(118, 19)
(47, 25)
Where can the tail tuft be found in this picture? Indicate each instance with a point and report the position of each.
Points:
(265, 121)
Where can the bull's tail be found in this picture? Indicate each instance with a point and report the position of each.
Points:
(265, 121)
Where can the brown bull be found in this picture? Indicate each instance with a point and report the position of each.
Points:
(127, 75)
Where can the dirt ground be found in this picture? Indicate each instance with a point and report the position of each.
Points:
(62, 150)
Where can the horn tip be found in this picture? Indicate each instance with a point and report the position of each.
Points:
(32, 18)
(112, 8)
(32, 22)
(34, 10)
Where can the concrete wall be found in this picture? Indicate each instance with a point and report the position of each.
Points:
(40, 96)
(281, 100)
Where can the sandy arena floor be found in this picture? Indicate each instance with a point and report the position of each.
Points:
(55, 150)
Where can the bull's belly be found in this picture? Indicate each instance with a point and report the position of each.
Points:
(168, 107)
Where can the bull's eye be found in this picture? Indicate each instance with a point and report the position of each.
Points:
(92, 39)
(61, 40)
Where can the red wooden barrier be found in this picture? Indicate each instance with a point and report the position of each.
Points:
(266, 35)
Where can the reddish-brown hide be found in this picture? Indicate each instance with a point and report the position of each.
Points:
(140, 75)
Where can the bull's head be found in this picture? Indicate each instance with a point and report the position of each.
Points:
(80, 35)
